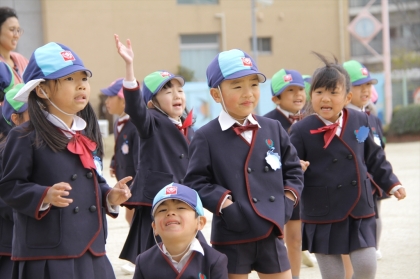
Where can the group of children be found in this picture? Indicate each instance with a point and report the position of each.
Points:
(270, 181)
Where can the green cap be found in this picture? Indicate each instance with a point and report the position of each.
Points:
(358, 73)
(285, 78)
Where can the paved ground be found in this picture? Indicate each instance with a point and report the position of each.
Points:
(401, 221)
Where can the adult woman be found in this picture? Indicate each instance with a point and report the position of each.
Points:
(10, 33)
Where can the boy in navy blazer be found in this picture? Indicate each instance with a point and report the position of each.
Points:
(178, 216)
(246, 171)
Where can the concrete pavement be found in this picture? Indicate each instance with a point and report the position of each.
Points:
(400, 241)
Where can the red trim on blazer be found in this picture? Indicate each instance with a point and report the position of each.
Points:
(167, 259)
(288, 119)
(254, 135)
(6, 254)
(363, 217)
(40, 214)
(247, 240)
(135, 204)
(186, 265)
(133, 89)
(294, 191)
(219, 204)
(377, 188)
(393, 185)
(98, 210)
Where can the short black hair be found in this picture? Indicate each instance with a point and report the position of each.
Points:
(5, 13)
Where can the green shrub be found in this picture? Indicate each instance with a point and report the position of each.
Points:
(405, 120)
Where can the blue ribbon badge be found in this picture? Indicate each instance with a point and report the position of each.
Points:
(272, 158)
(362, 134)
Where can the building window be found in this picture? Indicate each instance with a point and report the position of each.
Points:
(263, 45)
(198, 2)
(197, 51)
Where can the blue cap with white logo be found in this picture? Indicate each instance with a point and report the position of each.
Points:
(180, 192)
(231, 64)
(51, 61)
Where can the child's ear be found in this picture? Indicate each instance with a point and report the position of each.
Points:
(15, 118)
(348, 98)
(39, 92)
(215, 93)
(276, 100)
(154, 228)
(201, 222)
(150, 104)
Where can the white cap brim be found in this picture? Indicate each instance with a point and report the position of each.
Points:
(23, 93)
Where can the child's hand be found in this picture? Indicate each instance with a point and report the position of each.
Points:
(120, 193)
(55, 195)
(400, 194)
(227, 203)
(126, 52)
(304, 165)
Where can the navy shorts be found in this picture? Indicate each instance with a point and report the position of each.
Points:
(268, 255)
(296, 213)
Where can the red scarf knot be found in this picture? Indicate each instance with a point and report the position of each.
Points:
(240, 129)
(187, 123)
(329, 130)
(296, 117)
(83, 146)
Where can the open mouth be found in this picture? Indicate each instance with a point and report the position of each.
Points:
(326, 108)
(80, 98)
(172, 223)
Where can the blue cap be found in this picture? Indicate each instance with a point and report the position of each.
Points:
(114, 89)
(51, 61)
(231, 64)
(180, 192)
(7, 79)
(285, 78)
(11, 106)
(154, 82)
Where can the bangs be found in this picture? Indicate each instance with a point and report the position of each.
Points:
(330, 78)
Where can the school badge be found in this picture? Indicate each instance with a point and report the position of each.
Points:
(201, 276)
(124, 147)
(362, 134)
(272, 158)
(376, 136)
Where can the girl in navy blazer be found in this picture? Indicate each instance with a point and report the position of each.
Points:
(337, 208)
(52, 174)
(158, 112)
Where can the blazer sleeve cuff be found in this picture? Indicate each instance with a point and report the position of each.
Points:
(111, 210)
(295, 194)
(220, 203)
(38, 213)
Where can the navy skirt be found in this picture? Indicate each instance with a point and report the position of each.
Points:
(339, 238)
(6, 267)
(87, 266)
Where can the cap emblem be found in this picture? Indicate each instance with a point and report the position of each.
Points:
(67, 55)
(365, 72)
(171, 190)
(246, 61)
(288, 78)
(165, 74)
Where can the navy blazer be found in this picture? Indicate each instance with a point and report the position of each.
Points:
(336, 182)
(278, 115)
(163, 149)
(6, 220)
(58, 232)
(222, 163)
(153, 264)
(126, 164)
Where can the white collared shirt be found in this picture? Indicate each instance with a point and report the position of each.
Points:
(119, 127)
(351, 106)
(288, 113)
(226, 121)
(339, 121)
(195, 246)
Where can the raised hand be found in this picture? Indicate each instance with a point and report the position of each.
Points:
(56, 193)
(126, 52)
(120, 193)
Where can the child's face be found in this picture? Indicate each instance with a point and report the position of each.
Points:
(240, 95)
(172, 99)
(292, 99)
(175, 220)
(71, 93)
(361, 94)
(115, 105)
(329, 103)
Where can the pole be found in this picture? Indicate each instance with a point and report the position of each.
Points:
(254, 32)
(386, 61)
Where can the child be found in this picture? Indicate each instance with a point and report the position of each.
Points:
(288, 90)
(127, 144)
(158, 113)
(246, 172)
(361, 88)
(337, 203)
(178, 216)
(50, 178)
(7, 81)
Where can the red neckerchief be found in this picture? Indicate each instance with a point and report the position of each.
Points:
(329, 130)
(240, 129)
(83, 146)
(187, 123)
(296, 117)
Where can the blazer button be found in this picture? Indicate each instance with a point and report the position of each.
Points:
(339, 186)
(89, 174)
(255, 200)
(73, 177)
(76, 209)
(266, 169)
(181, 156)
(181, 181)
(249, 170)
(354, 183)
(92, 208)
(349, 156)
(335, 160)
(272, 198)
